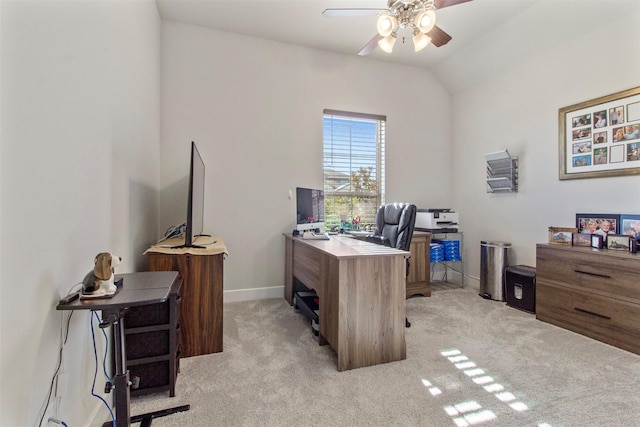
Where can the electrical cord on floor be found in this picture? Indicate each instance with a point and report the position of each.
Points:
(57, 371)
(95, 372)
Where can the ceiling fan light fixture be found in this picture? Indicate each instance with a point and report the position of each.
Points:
(386, 24)
(425, 21)
(420, 41)
(387, 43)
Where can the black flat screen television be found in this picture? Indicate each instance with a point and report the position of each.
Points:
(195, 200)
(309, 209)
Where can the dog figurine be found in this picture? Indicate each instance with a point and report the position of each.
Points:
(99, 281)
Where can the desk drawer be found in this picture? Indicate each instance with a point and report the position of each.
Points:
(306, 265)
(608, 320)
(589, 271)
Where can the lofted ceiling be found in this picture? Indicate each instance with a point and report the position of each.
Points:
(301, 22)
(489, 36)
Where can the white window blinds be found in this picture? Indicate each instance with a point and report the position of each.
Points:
(353, 168)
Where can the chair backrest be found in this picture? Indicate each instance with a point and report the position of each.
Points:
(395, 222)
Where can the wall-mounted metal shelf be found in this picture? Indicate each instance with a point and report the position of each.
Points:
(502, 172)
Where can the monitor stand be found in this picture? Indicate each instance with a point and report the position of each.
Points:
(188, 246)
(192, 245)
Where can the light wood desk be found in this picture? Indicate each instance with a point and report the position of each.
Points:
(361, 288)
(418, 280)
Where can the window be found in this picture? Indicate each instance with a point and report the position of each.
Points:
(353, 168)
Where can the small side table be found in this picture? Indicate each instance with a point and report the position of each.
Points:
(137, 289)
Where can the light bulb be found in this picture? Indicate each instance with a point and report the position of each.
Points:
(425, 21)
(387, 43)
(386, 24)
(420, 41)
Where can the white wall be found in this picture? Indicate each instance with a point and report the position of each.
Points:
(515, 107)
(254, 108)
(80, 159)
(79, 175)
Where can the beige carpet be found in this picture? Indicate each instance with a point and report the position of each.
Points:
(470, 362)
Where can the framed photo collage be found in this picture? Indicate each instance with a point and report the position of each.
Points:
(601, 137)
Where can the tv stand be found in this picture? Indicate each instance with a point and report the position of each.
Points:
(202, 291)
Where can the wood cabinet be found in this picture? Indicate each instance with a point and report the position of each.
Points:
(419, 266)
(202, 298)
(593, 292)
(152, 351)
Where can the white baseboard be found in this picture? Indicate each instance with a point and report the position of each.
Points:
(253, 294)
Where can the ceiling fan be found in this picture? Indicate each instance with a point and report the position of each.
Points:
(417, 16)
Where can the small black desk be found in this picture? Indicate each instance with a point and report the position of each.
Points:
(137, 289)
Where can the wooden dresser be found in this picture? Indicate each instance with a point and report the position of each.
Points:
(594, 292)
(419, 265)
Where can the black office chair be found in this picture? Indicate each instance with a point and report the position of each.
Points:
(394, 228)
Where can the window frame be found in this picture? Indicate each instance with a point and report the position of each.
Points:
(368, 216)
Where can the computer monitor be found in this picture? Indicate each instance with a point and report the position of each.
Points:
(309, 209)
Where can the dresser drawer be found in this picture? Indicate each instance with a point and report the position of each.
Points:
(605, 272)
(608, 320)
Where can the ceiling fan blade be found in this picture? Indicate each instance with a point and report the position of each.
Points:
(351, 12)
(446, 3)
(370, 46)
(439, 37)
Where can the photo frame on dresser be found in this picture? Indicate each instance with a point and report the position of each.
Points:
(598, 223)
(581, 239)
(600, 137)
(619, 242)
(561, 235)
(597, 241)
(630, 225)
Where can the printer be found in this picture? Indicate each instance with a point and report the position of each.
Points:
(437, 220)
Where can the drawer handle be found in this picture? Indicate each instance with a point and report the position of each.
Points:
(602, 316)
(593, 274)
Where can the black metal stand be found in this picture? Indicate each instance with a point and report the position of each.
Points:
(121, 381)
(150, 287)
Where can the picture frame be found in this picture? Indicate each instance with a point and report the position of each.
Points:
(585, 223)
(581, 239)
(619, 242)
(597, 241)
(613, 123)
(630, 225)
(561, 235)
